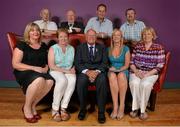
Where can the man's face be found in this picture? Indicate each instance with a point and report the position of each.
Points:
(91, 37)
(45, 14)
(70, 16)
(130, 15)
(101, 12)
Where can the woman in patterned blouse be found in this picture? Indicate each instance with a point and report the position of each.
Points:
(147, 60)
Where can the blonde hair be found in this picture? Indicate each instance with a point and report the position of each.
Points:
(112, 43)
(151, 30)
(30, 27)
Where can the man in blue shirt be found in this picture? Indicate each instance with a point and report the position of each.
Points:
(100, 24)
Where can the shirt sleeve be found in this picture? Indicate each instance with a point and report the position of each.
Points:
(110, 30)
(160, 59)
(53, 26)
(89, 25)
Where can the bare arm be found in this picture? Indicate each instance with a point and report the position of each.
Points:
(18, 65)
(51, 63)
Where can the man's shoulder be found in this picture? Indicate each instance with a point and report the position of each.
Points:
(100, 46)
(65, 22)
(82, 45)
(92, 19)
(123, 25)
(108, 20)
(38, 21)
(52, 23)
(139, 22)
(78, 23)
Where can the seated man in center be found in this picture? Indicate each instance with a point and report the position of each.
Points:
(91, 63)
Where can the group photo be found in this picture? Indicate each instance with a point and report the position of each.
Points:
(90, 63)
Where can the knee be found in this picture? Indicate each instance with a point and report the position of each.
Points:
(112, 76)
(73, 78)
(134, 84)
(63, 80)
(49, 83)
(121, 75)
(102, 78)
(82, 80)
(146, 86)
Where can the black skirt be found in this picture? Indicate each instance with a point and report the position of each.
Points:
(25, 78)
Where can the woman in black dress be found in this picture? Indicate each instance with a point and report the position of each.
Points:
(31, 70)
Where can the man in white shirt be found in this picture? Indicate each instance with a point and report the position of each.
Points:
(47, 27)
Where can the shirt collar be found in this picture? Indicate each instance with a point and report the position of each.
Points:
(42, 21)
(97, 19)
(70, 23)
(91, 45)
(135, 22)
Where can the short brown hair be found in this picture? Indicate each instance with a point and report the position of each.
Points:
(103, 5)
(130, 9)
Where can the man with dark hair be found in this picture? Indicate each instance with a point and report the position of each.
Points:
(100, 24)
(132, 28)
(91, 62)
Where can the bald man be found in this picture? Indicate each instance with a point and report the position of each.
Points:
(71, 24)
(91, 62)
(47, 27)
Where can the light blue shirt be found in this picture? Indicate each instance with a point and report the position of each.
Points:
(132, 32)
(63, 60)
(105, 26)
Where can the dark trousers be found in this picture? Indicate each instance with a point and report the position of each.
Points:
(101, 90)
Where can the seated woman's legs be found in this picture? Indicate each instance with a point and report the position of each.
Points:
(44, 90)
(71, 78)
(134, 84)
(67, 95)
(59, 89)
(146, 86)
(32, 90)
(122, 86)
(114, 93)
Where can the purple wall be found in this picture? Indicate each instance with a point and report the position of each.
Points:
(163, 15)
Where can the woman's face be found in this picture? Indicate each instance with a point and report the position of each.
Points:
(34, 34)
(116, 37)
(147, 36)
(63, 38)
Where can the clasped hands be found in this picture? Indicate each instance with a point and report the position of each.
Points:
(92, 74)
(141, 74)
(40, 69)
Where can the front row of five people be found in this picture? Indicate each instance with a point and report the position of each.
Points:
(90, 63)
